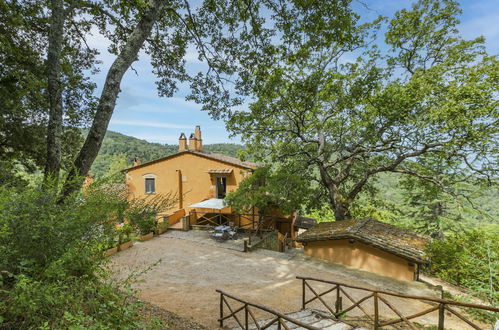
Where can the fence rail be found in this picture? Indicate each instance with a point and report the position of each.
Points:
(377, 297)
(249, 318)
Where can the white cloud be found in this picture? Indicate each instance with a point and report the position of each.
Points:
(169, 139)
(485, 25)
(147, 124)
(192, 55)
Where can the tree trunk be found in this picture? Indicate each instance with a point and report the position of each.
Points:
(54, 89)
(340, 207)
(108, 97)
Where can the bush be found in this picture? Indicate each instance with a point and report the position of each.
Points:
(141, 212)
(125, 233)
(52, 271)
(144, 223)
(469, 259)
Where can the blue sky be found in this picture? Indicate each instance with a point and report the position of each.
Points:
(141, 113)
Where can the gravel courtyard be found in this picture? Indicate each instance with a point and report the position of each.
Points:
(191, 268)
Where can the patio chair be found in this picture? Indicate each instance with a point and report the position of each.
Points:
(232, 233)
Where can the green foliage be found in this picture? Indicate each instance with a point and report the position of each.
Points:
(23, 89)
(470, 259)
(269, 187)
(421, 102)
(10, 176)
(53, 273)
(145, 223)
(141, 212)
(124, 233)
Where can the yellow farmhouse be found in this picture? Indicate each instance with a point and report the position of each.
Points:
(194, 174)
(200, 180)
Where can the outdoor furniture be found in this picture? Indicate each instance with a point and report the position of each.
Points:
(224, 232)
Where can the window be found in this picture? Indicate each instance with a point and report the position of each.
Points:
(150, 186)
(221, 186)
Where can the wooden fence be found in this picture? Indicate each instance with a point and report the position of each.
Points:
(377, 297)
(248, 318)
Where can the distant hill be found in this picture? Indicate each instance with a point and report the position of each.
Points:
(116, 144)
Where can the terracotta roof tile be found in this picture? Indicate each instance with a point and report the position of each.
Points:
(225, 158)
(386, 237)
(211, 155)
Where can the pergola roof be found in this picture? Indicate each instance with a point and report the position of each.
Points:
(213, 203)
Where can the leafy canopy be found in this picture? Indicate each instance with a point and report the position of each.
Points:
(267, 187)
(418, 102)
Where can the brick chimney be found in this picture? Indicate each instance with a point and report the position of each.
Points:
(192, 142)
(182, 143)
(136, 161)
(199, 141)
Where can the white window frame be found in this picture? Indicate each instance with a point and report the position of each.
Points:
(146, 177)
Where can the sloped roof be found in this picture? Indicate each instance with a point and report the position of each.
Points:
(210, 155)
(225, 159)
(389, 238)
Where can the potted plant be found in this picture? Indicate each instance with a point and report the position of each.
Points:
(125, 240)
(144, 223)
(161, 227)
(111, 251)
(147, 225)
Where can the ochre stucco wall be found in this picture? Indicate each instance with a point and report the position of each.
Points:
(197, 184)
(362, 256)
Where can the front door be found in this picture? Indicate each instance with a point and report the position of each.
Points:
(221, 187)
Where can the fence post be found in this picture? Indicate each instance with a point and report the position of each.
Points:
(185, 222)
(338, 304)
(221, 310)
(441, 316)
(246, 316)
(302, 293)
(376, 311)
(278, 323)
(245, 247)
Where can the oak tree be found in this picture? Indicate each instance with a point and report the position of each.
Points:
(418, 99)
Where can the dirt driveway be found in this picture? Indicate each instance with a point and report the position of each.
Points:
(185, 280)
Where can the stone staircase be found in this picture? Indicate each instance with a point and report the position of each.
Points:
(313, 317)
(177, 226)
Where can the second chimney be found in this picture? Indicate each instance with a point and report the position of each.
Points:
(136, 161)
(199, 141)
(192, 142)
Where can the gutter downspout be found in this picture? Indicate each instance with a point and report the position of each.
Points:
(180, 192)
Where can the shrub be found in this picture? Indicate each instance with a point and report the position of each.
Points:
(141, 212)
(52, 271)
(143, 222)
(125, 233)
(470, 259)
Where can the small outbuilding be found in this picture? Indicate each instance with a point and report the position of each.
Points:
(369, 245)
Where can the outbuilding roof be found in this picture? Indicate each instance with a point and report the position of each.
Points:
(389, 238)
